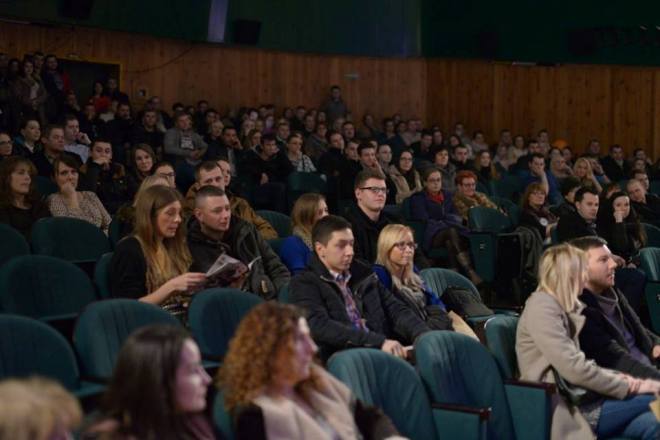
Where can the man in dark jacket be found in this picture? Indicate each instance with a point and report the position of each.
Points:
(213, 232)
(612, 334)
(581, 222)
(615, 166)
(347, 305)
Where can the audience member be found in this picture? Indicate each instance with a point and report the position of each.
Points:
(369, 160)
(547, 344)
(274, 389)
(485, 168)
(467, 196)
(68, 202)
(215, 232)
(119, 132)
(282, 133)
(581, 221)
(186, 148)
(613, 335)
(29, 94)
(390, 137)
(615, 165)
(141, 165)
(444, 228)
(422, 148)
(537, 173)
(52, 139)
(152, 264)
(6, 146)
(640, 175)
(269, 170)
(300, 161)
(27, 144)
(446, 167)
(75, 141)
(593, 149)
(647, 206)
(334, 107)
(461, 158)
(395, 269)
(296, 249)
(166, 171)
(20, 204)
(316, 143)
(331, 162)
(583, 171)
(405, 177)
(345, 303)
(158, 389)
(478, 142)
(559, 169)
(535, 213)
(105, 177)
(619, 225)
(37, 409)
(384, 156)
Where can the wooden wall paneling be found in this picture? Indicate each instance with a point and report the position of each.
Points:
(655, 148)
(632, 107)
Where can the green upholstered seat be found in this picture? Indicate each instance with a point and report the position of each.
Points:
(70, 239)
(214, 315)
(13, 244)
(280, 222)
(650, 259)
(103, 327)
(101, 276)
(501, 341)
(44, 287)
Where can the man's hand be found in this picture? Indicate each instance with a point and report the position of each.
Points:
(620, 262)
(656, 352)
(393, 347)
(83, 138)
(196, 154)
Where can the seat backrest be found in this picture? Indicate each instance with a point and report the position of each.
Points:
(382, 380)
(13, 243)
(214, 315)
(405, 209)
(652, 235)
(283, 295)
(501, 340)
(306, 182)
(512, 209)
(104, 325)
(457, 369)
(29, 347)
(280, 222)
(70, 239)
(482, 219)
(276, 244)
(221, 418)
(438, 279)
(509, 186)
(44, 287)
(650, 259)
(45, 186)
(101, 275)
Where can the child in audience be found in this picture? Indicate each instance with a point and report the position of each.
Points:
(158, 389)
(275, 390)
(308, 209)
(547, 344)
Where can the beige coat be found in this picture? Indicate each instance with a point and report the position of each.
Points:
(544, 339)
(403, 190)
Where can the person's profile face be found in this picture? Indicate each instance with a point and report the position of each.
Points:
(215, 213)
(321, 211)
(192, 381)
(20, 180)
(600, 267)
(588, 206)
(168, 220)
(226, 171)
(337, 255)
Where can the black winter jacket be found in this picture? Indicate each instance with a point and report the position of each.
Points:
(603, 342)
(243, 242)
(386, 317)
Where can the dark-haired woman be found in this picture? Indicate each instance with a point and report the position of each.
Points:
(152, 264)
(143, 159)
(158, 389)
(20, 204)
(28, 142)
(619, 224)
(405, 177)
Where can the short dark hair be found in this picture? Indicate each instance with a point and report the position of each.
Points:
(426, 173)
(208, 191)
(227, 127)
(615, 146)
(569, 184)
(536, 156)
(365, 146)
(636, 172)
(66, 159)
(579, 195)
(367, 174)
(207, 165)
(323, 229)
(69, 117)
(268, 137)
(588, 242)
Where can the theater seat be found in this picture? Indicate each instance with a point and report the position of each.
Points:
(280, 222)
(101, 276)
(70, 239)
(44, 288)
(214, 315)
(650, 259)
(299, 183)
(652, 235)
(501, 341)
(103, 327)
(13, 243)
(457, 369)
(391, 384)
(29, 347)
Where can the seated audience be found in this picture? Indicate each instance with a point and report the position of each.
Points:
(558, 167)
(183, 145)
(612, 334)
(166, 171)
(535, 213)
(28, 142)
(329, 291)
(646, 205)
(295, 250)
(643, 177)
(581, 221)
(447, 168)
(395, 269)
(444, 227)
(269, 169)
(152, 265)
(369, 160)
(75, 141)
(316, 144)
(216, 232)
(119, 132)
(52, 139)
(274, 389)
(126, 213)
(300, 161)
(20, 203)
(331, 162)
(467, 196)
(158, 389)
(615, 166)
(6, 146)
(422, 148)
(147, 132)
(405, 177)
(384, 156)
(461, 157)
(583, 171)
(485, 168)
(142, 161)
(619, 225)
(350, 168)
(537, 173)
(37, 409)
(105, 177)
(69, 202)
(547, 344)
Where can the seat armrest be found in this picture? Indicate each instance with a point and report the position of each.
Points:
(459, 421)
(531, 408)
(550, 388)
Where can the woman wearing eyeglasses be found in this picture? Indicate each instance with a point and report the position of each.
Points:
(444, 227)
(405, 176)
(395, 269)
(467, 196)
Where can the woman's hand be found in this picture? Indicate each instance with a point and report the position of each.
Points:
(68, 190)
(618, 216)
(187, 283)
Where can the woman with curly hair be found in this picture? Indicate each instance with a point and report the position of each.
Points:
(275, 390)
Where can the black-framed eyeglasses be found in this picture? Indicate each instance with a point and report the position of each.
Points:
(402, 245)
(376, 189)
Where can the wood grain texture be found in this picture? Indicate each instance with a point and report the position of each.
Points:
(575, 102)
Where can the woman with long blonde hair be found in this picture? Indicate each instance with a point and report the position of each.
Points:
(547, 347)
(152, 264)
(275, 390)
(296, 249)
(395, 269)
(583, 170)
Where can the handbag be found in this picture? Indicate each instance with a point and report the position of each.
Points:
(574, 395)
